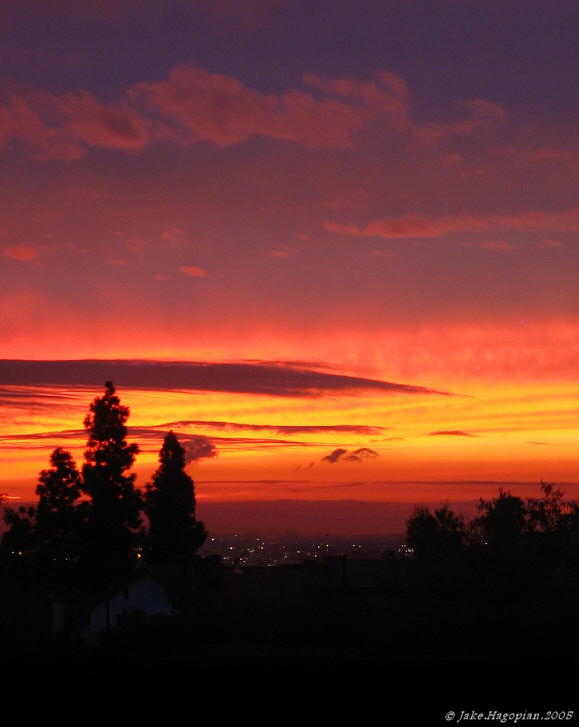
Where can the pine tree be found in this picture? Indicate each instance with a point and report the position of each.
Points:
(115, 505)
(173, 533)
(58, 517)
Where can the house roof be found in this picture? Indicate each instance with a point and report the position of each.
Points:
(161, 573)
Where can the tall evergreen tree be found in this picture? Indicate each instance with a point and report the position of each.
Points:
(116, 505)
(58, 518)
(59, 523)
(174, 533)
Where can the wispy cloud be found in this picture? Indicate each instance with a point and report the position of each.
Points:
(21, 252)
(43, 440)
(175, 237)
(544, 444)
(192, 271)
(480, 114)
(150, 438)
(287, 429)
(417, 226)
(451, 433)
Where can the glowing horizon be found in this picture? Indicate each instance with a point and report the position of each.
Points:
(213, 197)
(309, 435)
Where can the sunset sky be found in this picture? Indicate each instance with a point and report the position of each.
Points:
(332, 245)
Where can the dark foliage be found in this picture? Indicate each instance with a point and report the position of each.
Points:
(173, 531)
(115, 511)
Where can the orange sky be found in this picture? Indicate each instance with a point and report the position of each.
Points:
(340, 443)
(387, 195)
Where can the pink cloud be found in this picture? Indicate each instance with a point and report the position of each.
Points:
(201, 105)
(282, 251)
(21, 252)
(409, 226)
(550, 244)
(21, 123)
(564, 220)
(193, 271)
(388, 95)
(88, 121)
(175, 236)
(415, 226)
(481, 114)
(63, 127)
(194, 104)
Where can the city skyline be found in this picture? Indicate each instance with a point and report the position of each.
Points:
(333, 246)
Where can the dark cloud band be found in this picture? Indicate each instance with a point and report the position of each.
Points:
(451, 433)
(267, 378)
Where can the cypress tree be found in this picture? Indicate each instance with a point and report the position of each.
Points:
(173, 533)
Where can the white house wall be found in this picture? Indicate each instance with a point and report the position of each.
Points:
(145, 595)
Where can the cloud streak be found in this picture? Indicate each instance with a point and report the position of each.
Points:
(150, 438)
(269, 378)
(417, 226)
(451, 433)
(21, 252)
(287, 429)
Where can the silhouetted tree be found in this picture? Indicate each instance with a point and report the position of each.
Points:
(503, 520)
(553, 525)
(435, 534)
(173, 531)
(58, 489)
(59, 520)
(20, 538)
(43, 541)
(549, 513)
(115, 507)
